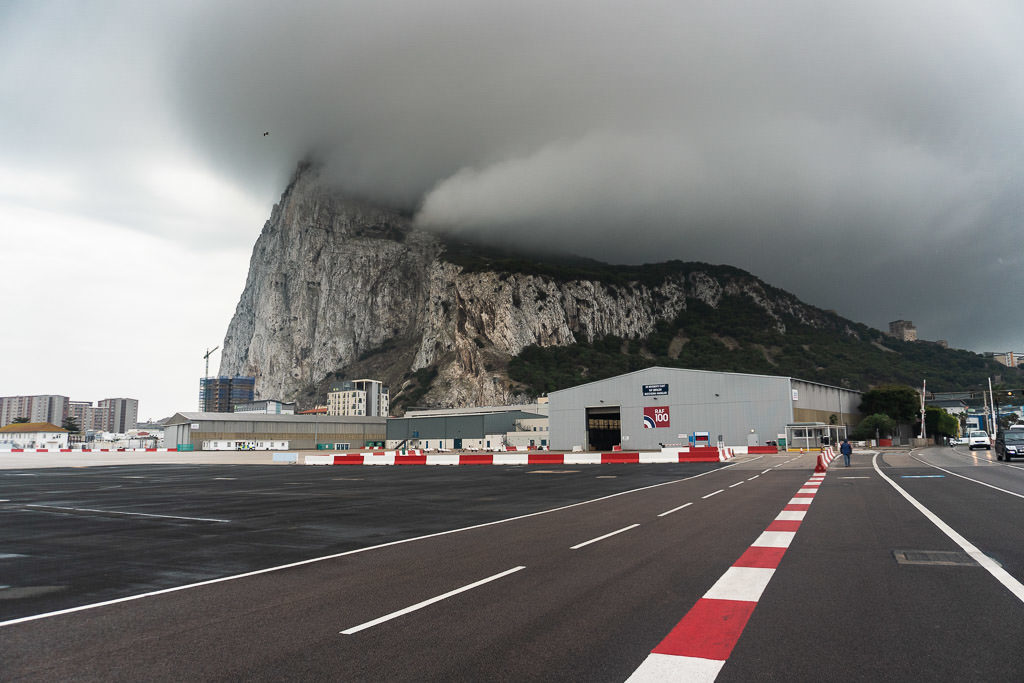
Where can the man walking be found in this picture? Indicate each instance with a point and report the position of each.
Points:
(846, 449)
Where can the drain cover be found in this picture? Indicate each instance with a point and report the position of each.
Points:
(942, 558)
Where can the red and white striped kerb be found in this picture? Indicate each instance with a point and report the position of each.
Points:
(699, 645)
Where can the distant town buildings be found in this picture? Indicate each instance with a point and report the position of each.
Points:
(33, 435)
(38, 409)
(222, 394)
(110, 415)
(267, 407)
(317, 410)
(1009, 358)
(360, 397)
(118, 415)
(903, 329)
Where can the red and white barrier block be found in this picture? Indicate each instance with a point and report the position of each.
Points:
(826, 456)
(90, 450)
(698, 647)
(668, 455)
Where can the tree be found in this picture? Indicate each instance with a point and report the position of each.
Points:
(1006, 420)
(901, 403)
(70, 423)
(938, 422)
(879, 425)
(20, 420)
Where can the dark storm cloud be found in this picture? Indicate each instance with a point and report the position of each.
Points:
(866, 156)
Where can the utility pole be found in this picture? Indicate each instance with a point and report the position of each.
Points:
(993, 428)
(924, 385)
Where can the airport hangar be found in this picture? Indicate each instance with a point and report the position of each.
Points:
(645, 409)
(287, 432)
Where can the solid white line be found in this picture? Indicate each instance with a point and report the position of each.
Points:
(669, 512)
(732, 486)
(1000, 574)
(300, 563)
(127, 514)
(601, 538)
(976, 481)
(712, 494)
(431, 601)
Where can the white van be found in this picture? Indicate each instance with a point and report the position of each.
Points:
(978, 439)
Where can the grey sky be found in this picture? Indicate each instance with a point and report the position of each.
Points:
(865, 156)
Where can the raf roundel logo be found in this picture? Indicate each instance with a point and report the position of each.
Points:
(649, 422)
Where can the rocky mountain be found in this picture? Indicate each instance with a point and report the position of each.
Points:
(341, 288)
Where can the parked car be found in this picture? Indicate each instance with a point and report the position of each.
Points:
(1009, 444)
(978, 439)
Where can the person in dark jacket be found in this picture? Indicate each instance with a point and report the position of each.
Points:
(846, 449)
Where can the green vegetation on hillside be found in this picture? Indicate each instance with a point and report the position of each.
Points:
(739, 336)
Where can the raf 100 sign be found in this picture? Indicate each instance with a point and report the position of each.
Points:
(656, 417)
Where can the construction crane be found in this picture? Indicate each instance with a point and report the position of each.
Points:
(209, 352)
(206, 377)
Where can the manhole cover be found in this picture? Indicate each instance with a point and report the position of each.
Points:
(942, 558)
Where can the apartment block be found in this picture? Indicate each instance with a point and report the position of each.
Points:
(41, 408)
(360, 397)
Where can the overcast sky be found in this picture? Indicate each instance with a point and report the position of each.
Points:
(865, 156)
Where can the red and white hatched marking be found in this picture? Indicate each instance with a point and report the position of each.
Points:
(700, 644)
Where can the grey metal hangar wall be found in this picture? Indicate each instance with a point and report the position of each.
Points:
(644, 409)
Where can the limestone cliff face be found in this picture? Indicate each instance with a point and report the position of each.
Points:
(333, 280)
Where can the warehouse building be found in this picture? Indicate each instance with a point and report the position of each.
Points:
(491, 428)
(298, 432)
(655, 406)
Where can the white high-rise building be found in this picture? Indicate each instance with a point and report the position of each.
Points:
(360, 397)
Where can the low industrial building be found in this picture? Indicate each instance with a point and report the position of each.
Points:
(267, 407)
(656, 406)
(485, 428)
(296, 432)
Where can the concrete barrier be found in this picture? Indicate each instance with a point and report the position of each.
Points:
(825, 457)
(666, 456)
(286, 457)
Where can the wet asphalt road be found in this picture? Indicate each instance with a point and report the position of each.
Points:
(839, 607)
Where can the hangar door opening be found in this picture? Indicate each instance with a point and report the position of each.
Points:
(604, 428)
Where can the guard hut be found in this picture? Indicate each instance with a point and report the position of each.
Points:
(813, 435)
